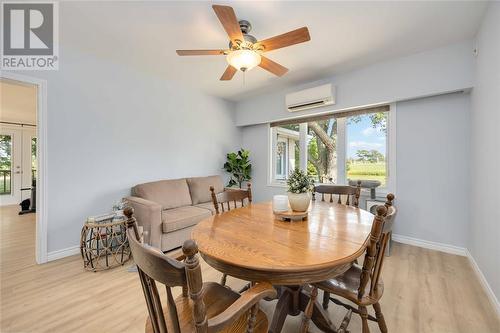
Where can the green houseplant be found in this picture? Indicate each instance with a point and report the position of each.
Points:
(299, 190)
(238, 165)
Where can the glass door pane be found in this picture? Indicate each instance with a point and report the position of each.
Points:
(5, 164)
(33, 160)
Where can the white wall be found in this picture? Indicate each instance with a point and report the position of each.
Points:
(432, 141)
(445, 69)
(256, 139)
(110, 127)
(433, 159)
(485, 214)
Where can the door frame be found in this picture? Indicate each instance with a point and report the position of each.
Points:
(41, 188)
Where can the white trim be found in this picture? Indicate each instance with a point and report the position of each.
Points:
(63, 253)
(486, 286)
(303, 144)
(452, 249)
(341, 150)
(391, 150)
(41, 188)
(276, 184)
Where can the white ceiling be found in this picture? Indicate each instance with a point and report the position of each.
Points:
(17, 102)
(344, 35)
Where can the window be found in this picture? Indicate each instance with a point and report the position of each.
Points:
(321, 150)
(336, 148)
(366, 147)
(285, 150)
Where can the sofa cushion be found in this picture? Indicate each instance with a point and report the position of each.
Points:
(199, 187)
(207, 205)
(182, 217)
(168, 193)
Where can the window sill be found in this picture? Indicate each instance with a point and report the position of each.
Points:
(276, 184)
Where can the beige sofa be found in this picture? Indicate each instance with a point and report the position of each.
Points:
(169, 209)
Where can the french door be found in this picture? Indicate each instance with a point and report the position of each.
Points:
(17, 163)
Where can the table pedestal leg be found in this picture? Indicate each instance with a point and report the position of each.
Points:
(293, 301)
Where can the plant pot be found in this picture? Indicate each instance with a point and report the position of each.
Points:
(299, 202)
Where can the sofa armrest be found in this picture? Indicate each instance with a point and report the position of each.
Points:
(148, 214)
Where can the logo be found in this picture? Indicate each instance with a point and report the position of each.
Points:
(30, 36)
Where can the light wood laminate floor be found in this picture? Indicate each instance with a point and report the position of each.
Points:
(425, 291)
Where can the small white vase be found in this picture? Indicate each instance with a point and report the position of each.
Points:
(299, 202)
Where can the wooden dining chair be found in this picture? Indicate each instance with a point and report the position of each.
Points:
(373, 209)
(350, 193)
(236, 197)
(222, 202)
(202, 307)
(363, 285)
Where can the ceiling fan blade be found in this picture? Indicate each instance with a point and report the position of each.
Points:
(297, 36)
(228, 73)
(273, 67)
(199, 52)
(229, 21)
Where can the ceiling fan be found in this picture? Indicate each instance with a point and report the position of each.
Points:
(245, 51)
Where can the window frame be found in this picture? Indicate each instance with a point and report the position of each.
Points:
(274, 139)
(341, 153)
(284, 160)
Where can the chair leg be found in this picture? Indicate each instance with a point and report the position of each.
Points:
(326, 299)
(309, 311)
(389, 245)
(223, 279)
(363, 312)
(380, 318)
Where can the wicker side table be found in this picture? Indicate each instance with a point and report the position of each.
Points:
(104, 244)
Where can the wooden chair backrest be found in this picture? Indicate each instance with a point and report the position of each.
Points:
(351, 193)
(222, 201)
(154, 266)
(375, 251)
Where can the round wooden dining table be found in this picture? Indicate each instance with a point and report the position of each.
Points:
(251, 244)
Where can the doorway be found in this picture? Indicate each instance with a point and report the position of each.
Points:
(18, 162)
(22, 152)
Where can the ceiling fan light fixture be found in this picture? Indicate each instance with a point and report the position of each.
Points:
(243, 60)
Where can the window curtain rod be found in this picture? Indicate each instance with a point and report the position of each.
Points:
(341, 114)
(17, 124)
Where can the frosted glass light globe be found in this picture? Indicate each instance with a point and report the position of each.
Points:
(243, 60)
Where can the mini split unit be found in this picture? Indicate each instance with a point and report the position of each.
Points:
(311, 98)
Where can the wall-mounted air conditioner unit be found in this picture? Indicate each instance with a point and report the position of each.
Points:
(311, 98)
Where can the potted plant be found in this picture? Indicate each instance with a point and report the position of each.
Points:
(299, 190)
(238, 165)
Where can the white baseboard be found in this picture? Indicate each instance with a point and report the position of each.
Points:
(487, 288)
(69, 251)
(461, 251)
